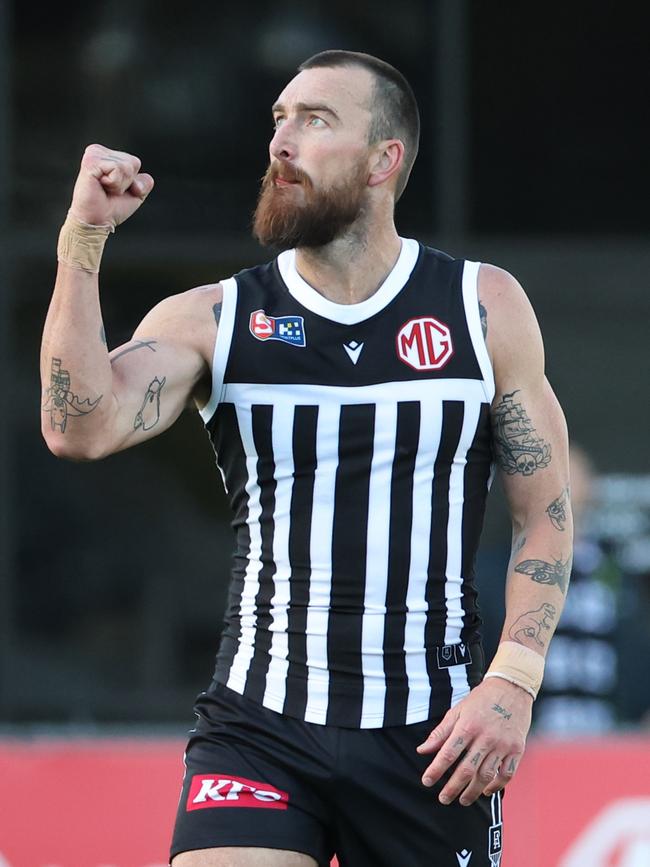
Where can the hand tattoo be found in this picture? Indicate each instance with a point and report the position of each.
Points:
(518, 446)
(557, 510)
(148, 415)
(547, 573)
(532, 623)
(501, 711)
(61, 402)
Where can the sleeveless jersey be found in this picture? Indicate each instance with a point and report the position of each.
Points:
(354, 443)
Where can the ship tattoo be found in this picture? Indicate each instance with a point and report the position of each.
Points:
(518, 446)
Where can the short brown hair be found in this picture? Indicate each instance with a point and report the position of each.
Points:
(394, 108)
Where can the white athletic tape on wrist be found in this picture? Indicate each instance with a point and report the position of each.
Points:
(519, 665)
(81, 244)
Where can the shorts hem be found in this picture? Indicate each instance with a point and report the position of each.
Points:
(268, 843)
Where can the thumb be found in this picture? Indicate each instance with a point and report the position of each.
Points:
(440, 733)
(142, 185)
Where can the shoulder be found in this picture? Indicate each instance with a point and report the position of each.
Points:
(513, 334)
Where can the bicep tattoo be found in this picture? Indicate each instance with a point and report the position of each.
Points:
(518, 447)
(547, 573)
(135, 344)
(216, 310)
(483, 314)
(148, 415)
(61, 402)
(557, 510)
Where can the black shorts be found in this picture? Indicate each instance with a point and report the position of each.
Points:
(257, 778)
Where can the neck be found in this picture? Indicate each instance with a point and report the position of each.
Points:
(352, 267)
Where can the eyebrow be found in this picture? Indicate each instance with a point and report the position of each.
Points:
(304, 107)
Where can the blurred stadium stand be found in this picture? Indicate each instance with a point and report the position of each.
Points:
(534, 156)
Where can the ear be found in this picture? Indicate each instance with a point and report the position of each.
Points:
(386, 162)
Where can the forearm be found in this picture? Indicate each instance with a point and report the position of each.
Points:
(538, 578)
(75, 369)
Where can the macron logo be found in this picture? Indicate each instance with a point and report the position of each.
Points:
(213, 790)
(463, 858)
(353, 349)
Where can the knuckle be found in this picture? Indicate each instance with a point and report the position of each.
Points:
(485, 776)
(448, 755)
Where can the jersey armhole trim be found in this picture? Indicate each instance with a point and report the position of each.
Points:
(221, 347)
(470, 299)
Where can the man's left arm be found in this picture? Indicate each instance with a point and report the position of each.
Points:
(483, 736)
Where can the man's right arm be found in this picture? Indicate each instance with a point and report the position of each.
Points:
(95, 403)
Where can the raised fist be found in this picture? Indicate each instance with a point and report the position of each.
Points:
(110, 186)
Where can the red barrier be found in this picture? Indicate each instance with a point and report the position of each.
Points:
(112, 803)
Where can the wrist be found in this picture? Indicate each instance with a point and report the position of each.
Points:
(519, 665)
(81, 244)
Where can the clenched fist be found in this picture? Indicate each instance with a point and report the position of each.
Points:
(110, 186)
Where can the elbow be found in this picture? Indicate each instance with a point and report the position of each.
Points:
(72, 450)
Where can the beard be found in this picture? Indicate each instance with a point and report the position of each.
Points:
(302, 216)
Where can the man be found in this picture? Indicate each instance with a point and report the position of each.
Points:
(355, 407)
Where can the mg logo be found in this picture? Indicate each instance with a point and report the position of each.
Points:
(424, 343)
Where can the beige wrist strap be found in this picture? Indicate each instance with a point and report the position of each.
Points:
(519, 665)
(81, 244)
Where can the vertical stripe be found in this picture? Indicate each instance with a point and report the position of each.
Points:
(320, 547)
(284, 470)
(401, 515)
(376, 579)
(349, 547)
(453, 572)
(304, 460)
(436, 592)
(262, 420)
(242, 660)
(224, 433)
(416, 605)
(477, 473)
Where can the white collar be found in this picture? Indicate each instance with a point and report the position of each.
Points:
(350, 314)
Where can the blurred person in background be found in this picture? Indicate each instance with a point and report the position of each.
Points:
(356, 390)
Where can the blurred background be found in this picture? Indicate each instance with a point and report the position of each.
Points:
(534, 156)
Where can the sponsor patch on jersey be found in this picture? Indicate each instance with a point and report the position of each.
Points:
(453, 654)
(224, 790)
(288, 329)
(424, 343)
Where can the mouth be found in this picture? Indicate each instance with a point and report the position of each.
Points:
(285, 182)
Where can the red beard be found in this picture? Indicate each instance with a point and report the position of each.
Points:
(287, 217)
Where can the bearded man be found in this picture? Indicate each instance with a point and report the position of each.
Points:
(349, 388)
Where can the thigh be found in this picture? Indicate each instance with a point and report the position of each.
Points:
(242, 857)
(387, 817)
(250, 786)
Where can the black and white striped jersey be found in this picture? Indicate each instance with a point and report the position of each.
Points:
(354, 443)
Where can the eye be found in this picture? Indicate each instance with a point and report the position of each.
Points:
(316, 121)
(278, 120)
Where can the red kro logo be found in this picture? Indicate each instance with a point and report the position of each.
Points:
(214, 790)
(424, 343)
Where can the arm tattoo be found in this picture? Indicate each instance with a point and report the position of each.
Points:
(518, 446)
(102, 334)
(216, 309)
(557, 510)
(519, 544)
(483, 314)
(532, 624)
(60, 402)
(148, 415)
(501, 711)
(136, 344)
(547, 573)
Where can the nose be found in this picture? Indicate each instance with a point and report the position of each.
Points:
(283, 145)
